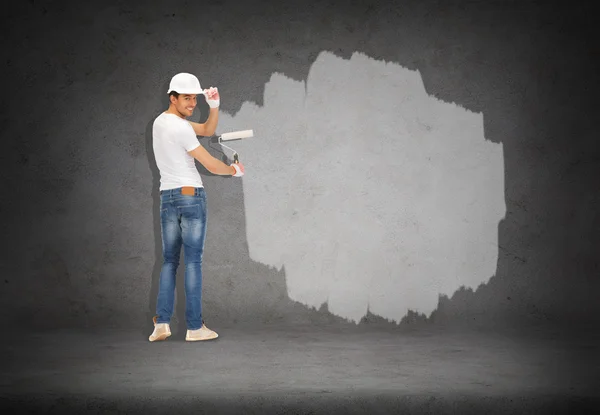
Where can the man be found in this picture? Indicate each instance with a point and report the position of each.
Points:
(183, 200)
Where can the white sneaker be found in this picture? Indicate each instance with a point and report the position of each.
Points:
(161, 331)
(203, 333)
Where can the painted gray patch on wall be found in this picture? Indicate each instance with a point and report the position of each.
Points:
(385, 197)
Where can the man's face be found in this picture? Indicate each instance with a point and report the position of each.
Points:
(184, 104)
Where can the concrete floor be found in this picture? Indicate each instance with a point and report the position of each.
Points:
(276, 369)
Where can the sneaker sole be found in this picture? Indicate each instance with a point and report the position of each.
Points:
(198, 340)
(161, 337)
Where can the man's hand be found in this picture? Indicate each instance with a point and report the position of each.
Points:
(239, 169)
(212, 97)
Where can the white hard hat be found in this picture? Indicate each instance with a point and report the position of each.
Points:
(185, 83)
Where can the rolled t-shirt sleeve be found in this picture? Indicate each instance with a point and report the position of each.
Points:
(187, 138)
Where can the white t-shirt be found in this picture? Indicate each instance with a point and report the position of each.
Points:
(172, 138)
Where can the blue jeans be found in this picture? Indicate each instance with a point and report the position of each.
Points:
(182, 221)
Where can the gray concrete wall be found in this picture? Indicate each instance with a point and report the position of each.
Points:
(411, 162)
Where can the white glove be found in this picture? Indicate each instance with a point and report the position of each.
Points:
(212, 97)
(239, 169)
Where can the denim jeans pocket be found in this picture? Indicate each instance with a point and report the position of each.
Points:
(189, 211)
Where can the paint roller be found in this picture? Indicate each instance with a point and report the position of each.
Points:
(234, 135)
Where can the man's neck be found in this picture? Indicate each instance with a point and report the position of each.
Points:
(174, 111)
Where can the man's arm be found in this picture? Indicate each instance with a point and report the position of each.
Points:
(208, 128)
(213, 165)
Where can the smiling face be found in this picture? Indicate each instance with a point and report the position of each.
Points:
(183, 105)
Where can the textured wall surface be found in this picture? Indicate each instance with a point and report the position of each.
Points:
(510, 87)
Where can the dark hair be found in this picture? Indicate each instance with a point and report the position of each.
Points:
(174, 94)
